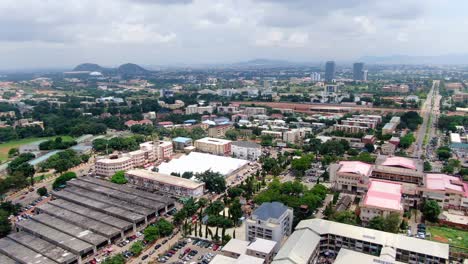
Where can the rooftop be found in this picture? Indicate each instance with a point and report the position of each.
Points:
(402, 162)
(262, 245)
(237, 246)
(273, 210)
(382, 194)
(21, 253)
(346, 256)
(90, 213)
(355, 167)
(181, 139)
(298, 247)
(66, 241)
(197, 162)
(400, 241)
(216, 141)
(443, 182)
(165, 178)
(43, 247)
(111, 161)
(246, 144)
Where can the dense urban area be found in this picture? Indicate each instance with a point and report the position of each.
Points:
(250, 163)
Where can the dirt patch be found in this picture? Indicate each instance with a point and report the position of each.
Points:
(440, 239)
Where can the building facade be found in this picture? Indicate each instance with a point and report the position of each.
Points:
(272, 221)
(246, 150)
(214, 146)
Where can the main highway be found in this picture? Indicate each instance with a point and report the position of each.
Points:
(430, 112)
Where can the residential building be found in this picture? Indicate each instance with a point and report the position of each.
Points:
(214, 146)
(368, 139)
(8, 114)
(272, 221)
(165, 150)
(396, 88)
(358, 71)
(376, 118)
(359, 122)
(246, 150)
(381, 199)
(173, 185)
(194, 109)
(315, 76)
(350, 128)
(273, 134)
(388, 149)
(251, 111)
(316, 238)
(330, 71)
(180, 143)
(230, 109)
(449, 191)
(131, 123)
(29, 123)
(295, 135)
(391, 126)
(460, 97)
(219, 130)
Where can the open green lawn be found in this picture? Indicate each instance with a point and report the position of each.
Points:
(454, 237)
(5, 147)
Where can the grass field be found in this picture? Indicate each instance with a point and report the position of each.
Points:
(454, 237)
(5, 147)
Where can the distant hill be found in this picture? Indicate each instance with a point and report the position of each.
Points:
(264, 63)
(88, 67)
(131, 69)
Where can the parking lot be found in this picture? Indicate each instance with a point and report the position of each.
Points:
(190, 251)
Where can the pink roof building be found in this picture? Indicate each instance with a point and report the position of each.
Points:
(446, 183)
(355, 167)
(384, 195)
(400, 162)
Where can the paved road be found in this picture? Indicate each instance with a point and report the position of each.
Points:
(429, 113)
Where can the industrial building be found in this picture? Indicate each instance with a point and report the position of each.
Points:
(86, 216)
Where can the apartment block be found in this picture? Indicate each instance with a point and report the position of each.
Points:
(214, 146)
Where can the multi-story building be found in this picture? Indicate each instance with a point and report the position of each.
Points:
(109, 166)
(295, 135)
(165, 150)
(194, 109)
(358, 71)
(396, 88)
(350, 128)
(179, 143)
(230, 109)
(388, 149)
(272, 221)
(449, 191)
(391, 126)
(460, 97)
(350, 176)
(381, 199)
(330, 71)
(29, 123)
(259, 248)
(316, 238)
(173, 185)
(246, 150)
(376, 118)
(251, 111)
(398, 169)
(360, 122)
(218, 130)
(214, 146)
(273, 134)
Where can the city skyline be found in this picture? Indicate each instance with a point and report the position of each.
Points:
(185, 32)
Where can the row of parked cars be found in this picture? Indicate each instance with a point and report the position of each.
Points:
(171, 252)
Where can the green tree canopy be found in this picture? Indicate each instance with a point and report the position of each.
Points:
(431, 210)
(119, 178)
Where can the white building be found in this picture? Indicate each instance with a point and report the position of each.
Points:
(109, 166)
(214, 146)
(246, 150)
(173, 185)
(272, 221)
(259, 248)
(194, 109)
(353, 244)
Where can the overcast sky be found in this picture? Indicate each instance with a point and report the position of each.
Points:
(57, 33)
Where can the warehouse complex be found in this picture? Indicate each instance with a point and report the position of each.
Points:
(87, 215)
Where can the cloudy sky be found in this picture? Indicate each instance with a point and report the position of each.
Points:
(58, 33)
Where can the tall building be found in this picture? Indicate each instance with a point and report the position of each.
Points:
(358, 71)
(272, 221)
(330, 71)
